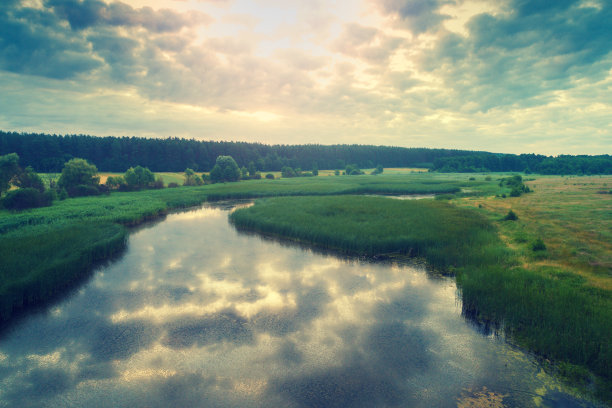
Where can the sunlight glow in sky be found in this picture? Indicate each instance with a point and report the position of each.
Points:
(516, 76)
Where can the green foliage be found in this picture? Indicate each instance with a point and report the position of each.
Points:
(115, 182)
(378, 170)
(270, 176)
(511, 216)
(38, 262)
(191, 179)
(29, 179)
(288, 172)
(443, 234)
(9, 169)
(79, 177)
(138, 177)
(538, 245)
(225, 169)
(24, 198)
(353, 170)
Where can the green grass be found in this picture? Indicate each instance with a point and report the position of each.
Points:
(39, 262)
(435, 230)
(549, 311)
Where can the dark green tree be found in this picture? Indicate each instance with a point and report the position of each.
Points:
(9, 170)
(190, 177)
(225, 169)
(139, 177)
(28, 178)
(78, 172)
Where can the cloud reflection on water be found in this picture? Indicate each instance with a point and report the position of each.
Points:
(196, 314)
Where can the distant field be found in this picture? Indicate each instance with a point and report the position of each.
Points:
(572, 217)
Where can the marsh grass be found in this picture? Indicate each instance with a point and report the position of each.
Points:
(372, 226)
(39, 262)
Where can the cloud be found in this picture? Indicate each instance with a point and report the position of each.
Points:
(35, 43)
(522, 56)
(419, 16)
(367, 43)
(82, 14)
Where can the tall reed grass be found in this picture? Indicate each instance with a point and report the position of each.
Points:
(40, 262)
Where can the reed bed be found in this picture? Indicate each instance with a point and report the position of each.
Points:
(39, 262)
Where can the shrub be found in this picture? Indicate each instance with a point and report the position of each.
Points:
(82, 190)
(225, 169)
(78, 172)
(139, 177)
(287, 172)
(511, 216)
(538, 245)
(444, 196)
(270, 176)
(158, 183)
(24, 198)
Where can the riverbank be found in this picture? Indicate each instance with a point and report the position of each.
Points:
(553, 314)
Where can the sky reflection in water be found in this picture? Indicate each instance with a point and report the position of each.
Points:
(198, 315)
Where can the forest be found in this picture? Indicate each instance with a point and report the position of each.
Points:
(48, 153)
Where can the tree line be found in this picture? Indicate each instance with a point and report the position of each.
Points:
(528, 163)
(48, 153)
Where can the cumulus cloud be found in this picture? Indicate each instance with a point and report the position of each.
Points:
(367, 43)
(86, 13)
(417, 15)
(522, 56)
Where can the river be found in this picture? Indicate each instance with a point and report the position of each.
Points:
(196, 314)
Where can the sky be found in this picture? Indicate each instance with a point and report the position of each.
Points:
(512, 76)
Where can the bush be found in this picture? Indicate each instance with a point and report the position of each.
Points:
(538, 245)
(270, 176)
(24, 198)
(287, 172)
(78, 172)
(82, 190)
(511, 216)
(158, 183)
(173, 185)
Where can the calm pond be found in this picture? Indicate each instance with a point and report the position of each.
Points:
(196, 314)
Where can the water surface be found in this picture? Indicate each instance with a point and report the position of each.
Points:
(196, 314)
